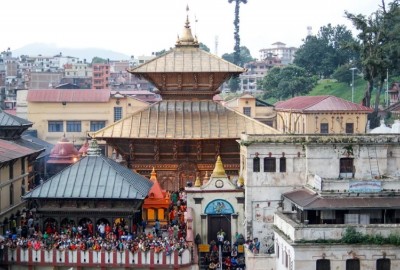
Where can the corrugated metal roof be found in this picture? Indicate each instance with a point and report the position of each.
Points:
(9, 120)
(11, 150)
(31, 145)
(69, 95)
(187, 59)
(47, 146)
(185, 119)
(94, 177)
(319, 103)
(308, 200)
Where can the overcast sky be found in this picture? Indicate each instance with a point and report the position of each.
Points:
(137, 27)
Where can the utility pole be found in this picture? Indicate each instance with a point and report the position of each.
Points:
(352, 83)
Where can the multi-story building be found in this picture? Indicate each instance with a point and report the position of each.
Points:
(44, 80)
(279, 49)
(255, 72)
(17, 158)
(76, 113)
(254, 108)
(80, 69)
(306, 193)
(101, 76)
(321, 114)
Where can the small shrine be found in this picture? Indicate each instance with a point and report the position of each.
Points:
(62, 155)
(156, 204)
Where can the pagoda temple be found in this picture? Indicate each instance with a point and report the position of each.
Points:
(182, 135)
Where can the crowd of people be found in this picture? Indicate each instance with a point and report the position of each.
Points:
(103, 236)
(85, 237)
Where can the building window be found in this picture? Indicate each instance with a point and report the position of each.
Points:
(96, 125)
(349, 128)
(323, 264)
(282, 164)
(74, 126)
(383, 264)
(55, 126)
(346, 165)
(324, 127)
(247, 111)
(353, 264)
(117, 113)
(269, 164)
(256, 164)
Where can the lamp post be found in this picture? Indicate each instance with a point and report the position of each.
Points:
(352, 83)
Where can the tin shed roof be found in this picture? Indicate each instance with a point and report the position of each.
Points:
(94, 177)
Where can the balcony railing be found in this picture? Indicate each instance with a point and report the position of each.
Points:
(299, 231)
(90, 258)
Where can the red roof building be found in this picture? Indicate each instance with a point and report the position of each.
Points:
(322, 115)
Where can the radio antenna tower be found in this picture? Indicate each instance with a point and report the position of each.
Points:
(216, 46)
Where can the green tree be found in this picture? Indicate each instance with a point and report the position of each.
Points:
(324, 53)
(245, 56)
(379, 47)
(344, 74)
(204, 47)
(236, 21)
(288, 81)
(98, 60)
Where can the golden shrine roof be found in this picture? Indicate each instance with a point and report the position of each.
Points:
(186, 59)
(184, 119)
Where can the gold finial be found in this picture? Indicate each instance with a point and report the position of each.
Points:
(197, 183)
(219, 169)
(241, 181)
(206, 178)
(153, 175)
(187, 39)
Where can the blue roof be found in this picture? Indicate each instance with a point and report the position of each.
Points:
(94, 177)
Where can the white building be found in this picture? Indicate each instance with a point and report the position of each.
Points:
(279, 49)
(304, 191)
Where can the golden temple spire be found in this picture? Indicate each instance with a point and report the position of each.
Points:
(197, 183)
(187, 39)
(153, 175)
(219, 170)
(206, 178)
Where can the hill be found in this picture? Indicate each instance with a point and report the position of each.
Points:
(34, 49)
(341, 90)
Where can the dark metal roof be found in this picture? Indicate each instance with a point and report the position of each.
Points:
(9, 120)
(94, 177)
(36, 144)
(10, 150)
(308, 200)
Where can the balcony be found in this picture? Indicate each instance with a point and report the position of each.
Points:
(297, 232)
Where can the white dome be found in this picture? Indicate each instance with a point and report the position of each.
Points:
(381, 129)
(396, 126)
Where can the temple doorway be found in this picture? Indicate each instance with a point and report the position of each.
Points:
(187, 172)
(217, 223)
